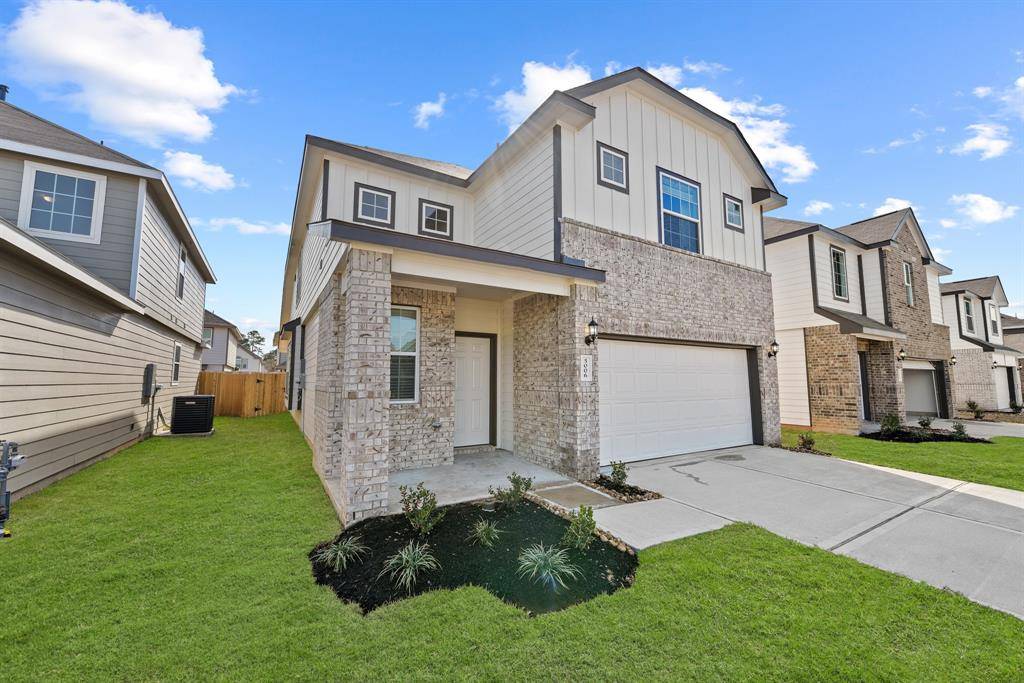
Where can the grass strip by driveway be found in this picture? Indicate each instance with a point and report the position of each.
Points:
(1000, 463)
(187, 559)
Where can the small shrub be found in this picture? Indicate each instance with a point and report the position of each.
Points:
(549, 565)
(891, 423)
(1016, 408)
(580, 531)
(405, 566)
(484, 533)
(805, 441)
(619, 473)
(975, 410)
(337, 555)
(959, 431)
(511, 496)
(925, 421)
(420, 507)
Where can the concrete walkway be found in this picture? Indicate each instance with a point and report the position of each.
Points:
(952, 534)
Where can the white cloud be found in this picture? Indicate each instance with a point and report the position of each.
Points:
(981, 208)
(982, 91)
(914, 138)
(612, 68)
(990, 139)
(539, 81)
(196, 172)
(702, 67)
(941, 254)
(671, 74)
(429, 110)
(948, 223)
(245, 227)
(816, 207)
(891, 204)
(132, 72)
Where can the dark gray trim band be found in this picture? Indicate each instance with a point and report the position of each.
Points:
(884, 276)
(324, 189)
(451, 220)
(600, 167)
(959, 320)
(860, 279)
(380, 190)
(673, 342)
(342, 231)
(985, 322)
(556, 179)
(865, 386)
(493, 431)
(754, 384)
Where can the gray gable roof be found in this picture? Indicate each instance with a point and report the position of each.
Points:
(984, 287)
(779, 227)
(878, 229)
(211, 319)
(18, 125)
(429, 164)
(1012, 323)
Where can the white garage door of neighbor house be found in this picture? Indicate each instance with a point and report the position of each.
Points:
(1002, 388)
(920, 388)
(668, 399)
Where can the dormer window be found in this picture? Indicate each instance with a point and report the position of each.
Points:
(993, 316)
(374, 205)
(840, 286)
(733, 213)
(60, 203)
(612, 168)
(969, 315)
(436, 219)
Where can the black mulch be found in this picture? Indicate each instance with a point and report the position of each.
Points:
(915, 435)
(604, 568)
(625, 492)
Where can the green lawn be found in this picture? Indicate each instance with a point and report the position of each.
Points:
(1000, 463)
(187, 559)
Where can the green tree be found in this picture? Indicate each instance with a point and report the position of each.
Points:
(253, 341)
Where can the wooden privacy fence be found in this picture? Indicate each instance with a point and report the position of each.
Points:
(244, 394)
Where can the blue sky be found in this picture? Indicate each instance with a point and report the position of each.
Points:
(854, 107)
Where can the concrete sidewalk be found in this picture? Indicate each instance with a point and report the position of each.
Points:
(952, 534)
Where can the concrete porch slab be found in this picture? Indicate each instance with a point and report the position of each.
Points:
(572, 496)
(469, 477)
(651, 522)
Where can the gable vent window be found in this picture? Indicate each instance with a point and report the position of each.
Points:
(374, 205)
(969, 315)
(733, 213)
(679, 201)
(908, 281)
(840, 287)
(182, 262)
(612, 168)
(436, 219)
(62, 204)
(405, 360)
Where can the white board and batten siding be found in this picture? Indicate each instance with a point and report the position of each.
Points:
(935, 296)
(653, 136)
(873, 286)
(794, 404)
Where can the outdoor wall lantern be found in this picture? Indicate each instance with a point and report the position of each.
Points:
(994, 365)
(903, 355)
(591, 332)
(773, 349)
(952, 361)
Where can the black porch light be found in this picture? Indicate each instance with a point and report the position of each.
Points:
(952, 360)
(902, 354)
(773, 349)
(591, 332)
(994, 364)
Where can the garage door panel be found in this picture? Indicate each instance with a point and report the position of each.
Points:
(667, 399)
(919, 389)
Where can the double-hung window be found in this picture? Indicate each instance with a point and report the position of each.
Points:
(840, 285)
(993, 316)
(207, 337)
(733, 213)
(436, 219)
(908, 282)
(405, 354)
(612, 168)
(374, 205)
(182, 263)
(176, 363)
(969, 314)
(679, 204)
(60, 203)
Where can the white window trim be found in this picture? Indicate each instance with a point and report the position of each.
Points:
(424, 230)
(739, 207)
(661, 207)
(832, 250)
(416, 354)
(374, 219)
(176, 354)
(908, 282)
(28, 181)
(603, 149)
(969, 315)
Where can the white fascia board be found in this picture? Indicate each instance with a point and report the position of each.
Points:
(440, 268)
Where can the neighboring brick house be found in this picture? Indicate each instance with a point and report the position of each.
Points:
(1013, 336)
(859, 320)
(986, 370)
(429, 307)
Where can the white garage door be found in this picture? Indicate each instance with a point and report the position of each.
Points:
(920, 388)
(1002, 388)
(667, 399)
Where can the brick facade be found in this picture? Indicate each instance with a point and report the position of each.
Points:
(833, 381)
(973, 376)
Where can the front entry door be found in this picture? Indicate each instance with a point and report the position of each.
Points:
(472, 390)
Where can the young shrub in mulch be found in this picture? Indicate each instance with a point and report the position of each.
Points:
(519, 486)
(805, 444)
(976, 412)
(462, 557)
(615, 485)
(419, 505)
(581, 528)
(920, 435)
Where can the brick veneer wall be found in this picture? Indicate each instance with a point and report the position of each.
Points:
(886, 393)
(833, 381)
(661, 292)
(414, 440)
(974, 381)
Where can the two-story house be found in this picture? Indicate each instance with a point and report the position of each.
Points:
(986, 368)
(595, 290)
(220, 343)
(1013, 336)
(100, 276)
(859, 321)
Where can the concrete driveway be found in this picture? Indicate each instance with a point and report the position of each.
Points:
(951, 534)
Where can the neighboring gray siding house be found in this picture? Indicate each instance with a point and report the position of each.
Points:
(220, 343)
(247, 361)
(429, 307)
(100, 274)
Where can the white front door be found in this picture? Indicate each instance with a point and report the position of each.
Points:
(472, 391)
(666, 399)
(1002, 388)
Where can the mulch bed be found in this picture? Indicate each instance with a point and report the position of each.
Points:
(917, 435)
(810, 451)
(994, 416)
(624, 492)
(604, 568)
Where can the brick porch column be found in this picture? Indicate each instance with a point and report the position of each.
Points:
(885, 385)
(579, 442)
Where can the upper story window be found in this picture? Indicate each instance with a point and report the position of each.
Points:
(840, 285)
(61, 203)
(436, 219)
(405, 348)
(207, 337)
(993, 316)
(176, 363)
(969, 314)
(679, 204)
(733, 213)
(908, 282)
(612, 168)
(182, 264)
(374, 205)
